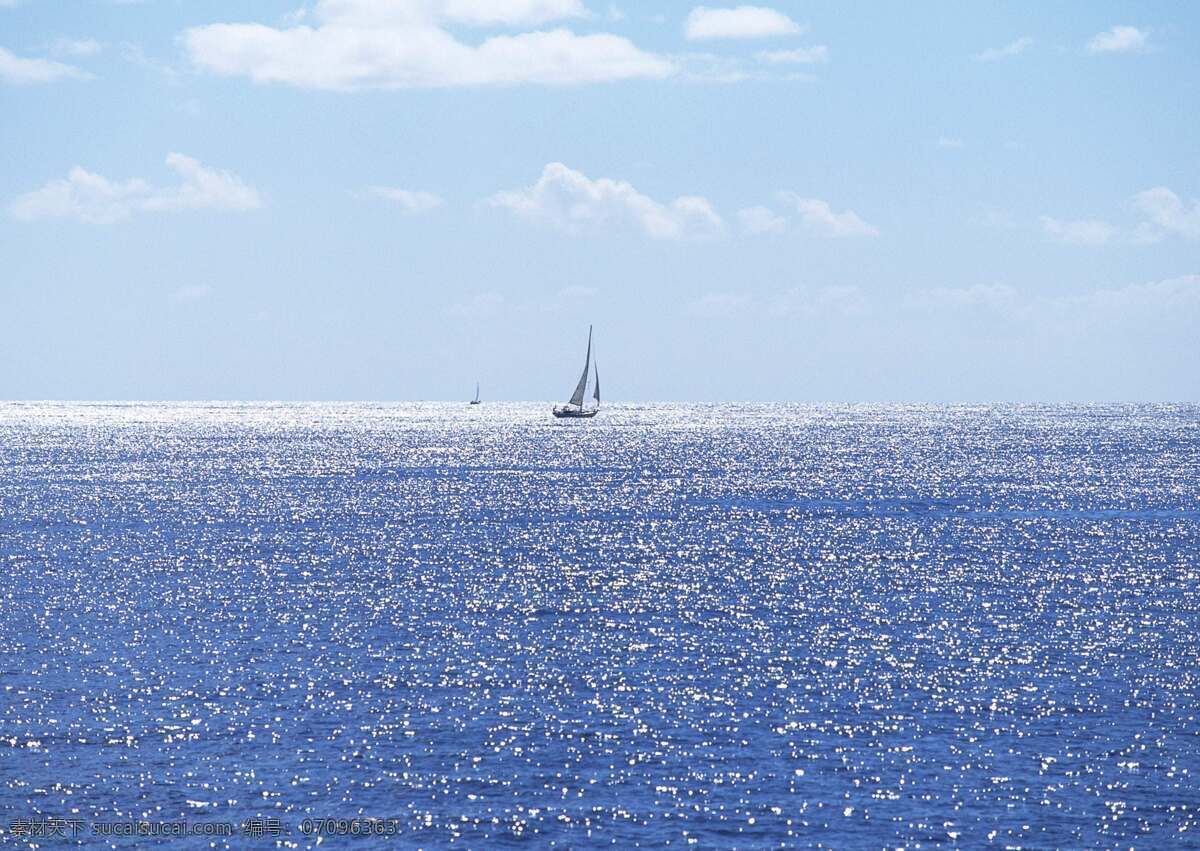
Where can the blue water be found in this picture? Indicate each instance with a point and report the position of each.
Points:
(720, 626)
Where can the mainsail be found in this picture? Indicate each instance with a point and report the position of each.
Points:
(574, 409)
(581, 387)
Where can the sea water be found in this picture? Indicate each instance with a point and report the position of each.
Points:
(672, 625)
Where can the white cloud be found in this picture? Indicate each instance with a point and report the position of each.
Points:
(409, 201)
(949, 142)
(95, 199)
(570, 200)
(818, 217)
(473, 13)
(761, 220)
(1013, 48)
(740, 22)
(359, 44)
(814, 55)
(1119, 39)
(19, 71)
(1167, 214)
(1079, 232)
(815, 216)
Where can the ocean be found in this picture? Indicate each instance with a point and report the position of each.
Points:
(721, 626)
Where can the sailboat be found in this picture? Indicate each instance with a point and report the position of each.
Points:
(475, 401)
(574, 409)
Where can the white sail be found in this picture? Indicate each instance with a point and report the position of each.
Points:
(596, 395)
(581, 387)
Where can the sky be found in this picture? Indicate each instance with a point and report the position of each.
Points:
(799, 202)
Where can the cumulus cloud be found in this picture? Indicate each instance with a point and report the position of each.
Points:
(1164, 214)
(1119, 39)
(1078, 232)
(816, 216)
(472, 13)
(21, 71)
(357, 44)
(1167, 213)
(94, 199)
(1013, 48)
(570, 200)
(813, 215)
(409, 201)
(761, 220)
(740, 22)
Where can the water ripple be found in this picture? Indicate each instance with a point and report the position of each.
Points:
(722, 626)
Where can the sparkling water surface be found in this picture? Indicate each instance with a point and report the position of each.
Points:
(721, 626)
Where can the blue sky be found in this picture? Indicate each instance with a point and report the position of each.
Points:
(359, 199)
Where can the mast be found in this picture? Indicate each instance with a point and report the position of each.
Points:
(581, 387)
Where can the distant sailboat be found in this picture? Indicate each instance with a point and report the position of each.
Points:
(574, 409)
(475, 401)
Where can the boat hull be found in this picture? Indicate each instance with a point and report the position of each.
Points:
(574, 414)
